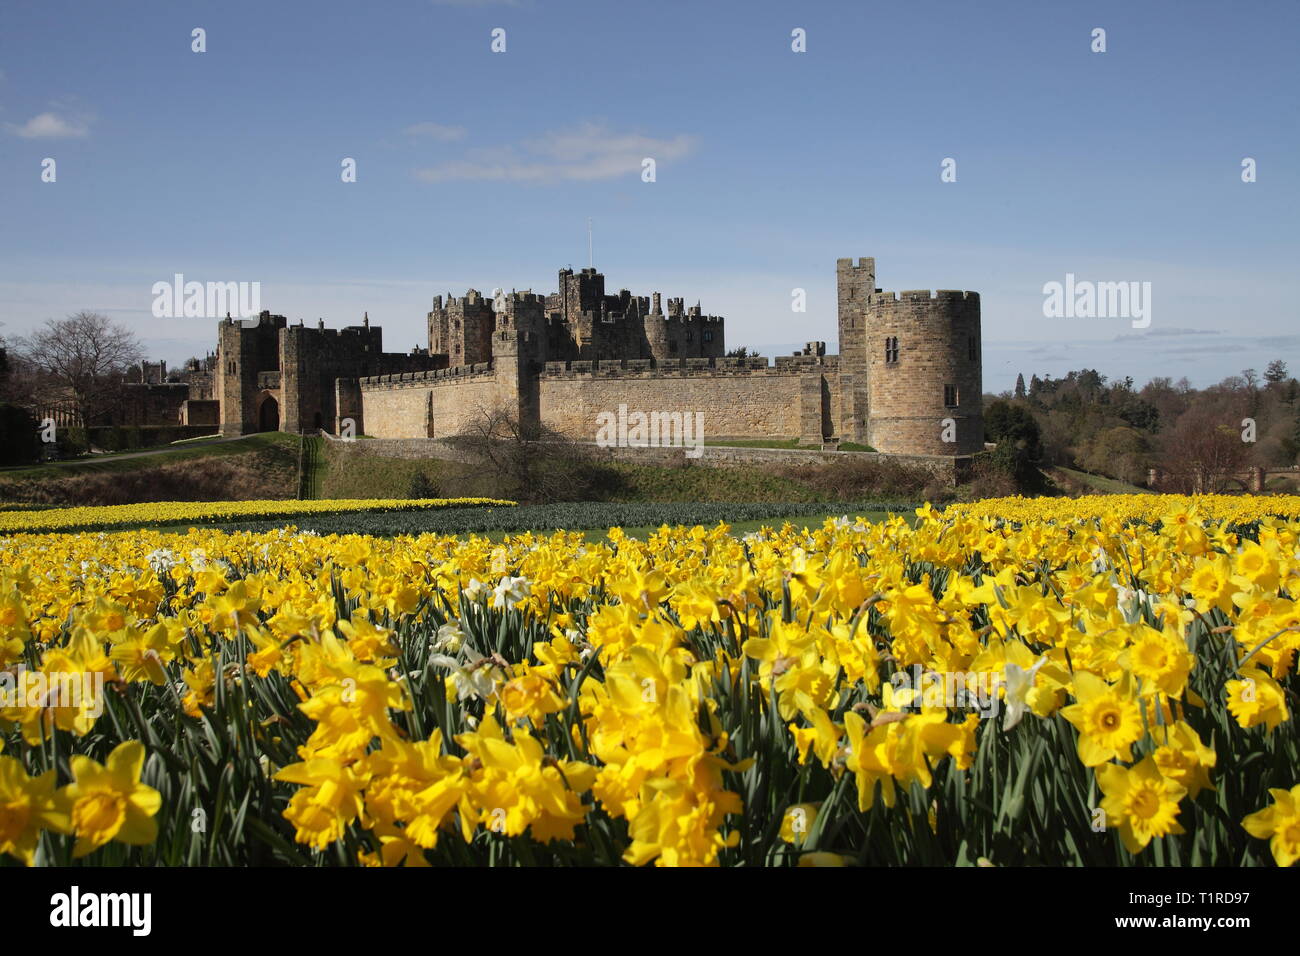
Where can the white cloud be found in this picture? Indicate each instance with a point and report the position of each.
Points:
(51, 126)
(587, 152)
(444, 134)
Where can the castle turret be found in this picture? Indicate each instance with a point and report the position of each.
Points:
(924, 373)
(462, 329)
(243, 353)
(854, 286)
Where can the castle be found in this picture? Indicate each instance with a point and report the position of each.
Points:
(907, 380)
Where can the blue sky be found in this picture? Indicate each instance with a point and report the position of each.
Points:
(480, 169)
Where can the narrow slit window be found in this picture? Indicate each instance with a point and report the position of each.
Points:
(950, 396)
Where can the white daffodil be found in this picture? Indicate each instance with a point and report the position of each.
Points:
(479, 677)
(450, 638)
(474, 591)
(161, 561)
(1019, 681)
(510, 592)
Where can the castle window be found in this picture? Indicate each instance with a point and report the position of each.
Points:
(690, 336)
(891, 349)
(708, 335)
(971, 345)
(950, 396)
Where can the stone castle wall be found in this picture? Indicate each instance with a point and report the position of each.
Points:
(736, 401)
(739, 398)
(435, 404)
(201, 411)
(152, 404)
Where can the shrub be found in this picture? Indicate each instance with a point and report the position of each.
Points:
(422, 487)
(1005, 422)
(857, 479)
(20, 440)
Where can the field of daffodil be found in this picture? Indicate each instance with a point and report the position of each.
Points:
(1094, 682)
(207, 512)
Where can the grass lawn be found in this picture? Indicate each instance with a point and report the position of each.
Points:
(391, 478)
(1106, 486)
(150, 458)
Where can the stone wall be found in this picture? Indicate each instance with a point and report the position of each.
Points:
(735, 402)
(151, 404)
(433, 404)
(205, 411)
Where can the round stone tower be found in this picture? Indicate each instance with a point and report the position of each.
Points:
(924, 373)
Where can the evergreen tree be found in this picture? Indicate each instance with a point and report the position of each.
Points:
(1020, 385)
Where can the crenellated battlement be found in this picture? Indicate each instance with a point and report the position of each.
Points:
(642, 369)
(442, 376)
(922, 295)
(351, 331)
(527, 297)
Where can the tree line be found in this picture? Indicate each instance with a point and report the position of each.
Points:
(1191, 439)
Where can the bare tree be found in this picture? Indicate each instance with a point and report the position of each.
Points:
(1204, 451)
(529, 462)
(81, 358)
